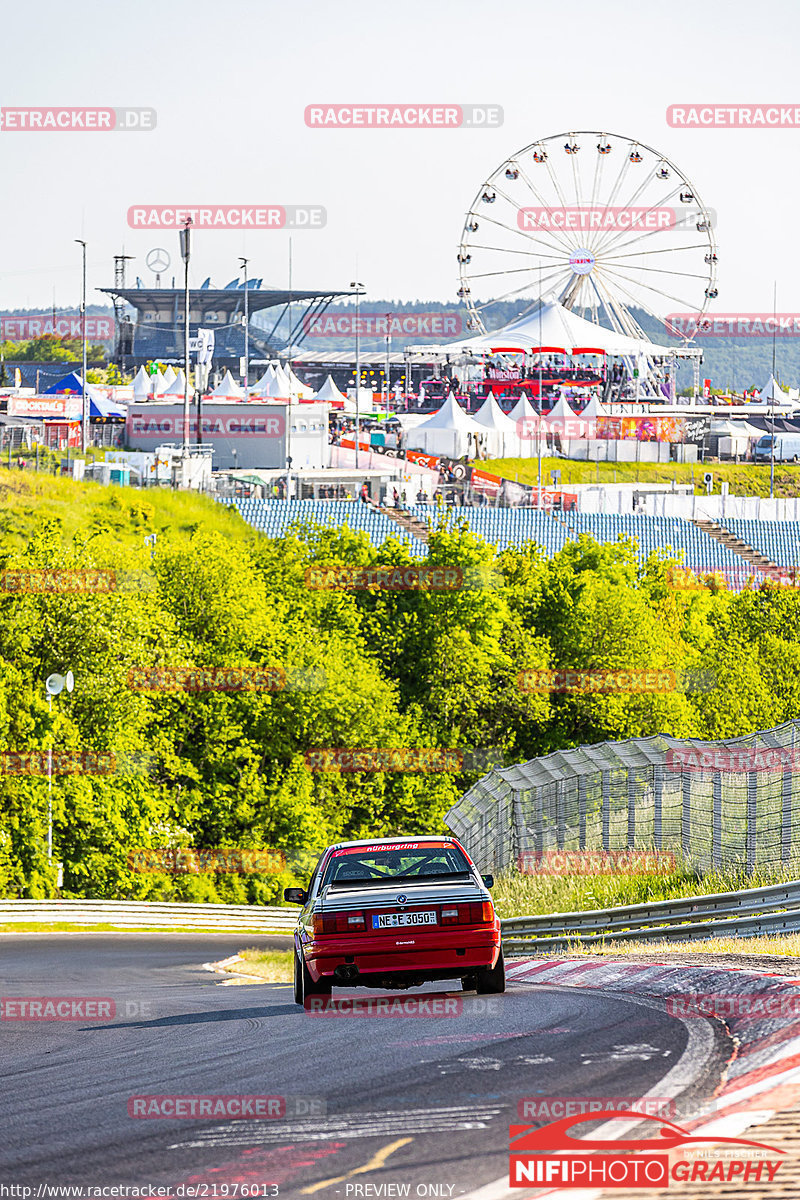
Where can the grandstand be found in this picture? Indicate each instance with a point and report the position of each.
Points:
(699, 551)
(274, 517)
(504, 527)
(779, 541)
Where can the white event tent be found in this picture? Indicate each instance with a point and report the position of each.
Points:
(178, 385)
(556, 328)
(299, 389)
(260, 386)
(141, 385)
(329, 391)
(564, 420)
(228, 389)
(450, 431)
(528, 424)
(503, 437)
(169, 376)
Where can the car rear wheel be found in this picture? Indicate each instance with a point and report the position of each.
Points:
(491, 980)
(304, 985)
(298, 981)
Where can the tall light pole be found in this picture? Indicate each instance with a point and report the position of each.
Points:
(243, 262)
(186, 250)
(388, 356)
(772, 397)
(358, 360)
(54, 685)
(84, 413)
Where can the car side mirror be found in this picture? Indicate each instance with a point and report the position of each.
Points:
(488, 880)
(295, 895)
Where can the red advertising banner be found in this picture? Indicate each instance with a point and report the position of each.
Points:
(424, 460)
(482, 481)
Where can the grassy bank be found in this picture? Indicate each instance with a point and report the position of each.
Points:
(518, 895)
(89, 512)
(745, 479)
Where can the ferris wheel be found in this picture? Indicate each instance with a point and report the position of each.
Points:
(603, 224)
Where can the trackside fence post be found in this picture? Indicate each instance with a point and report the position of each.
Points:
(786, 815)
(716, 822)
(751, 831)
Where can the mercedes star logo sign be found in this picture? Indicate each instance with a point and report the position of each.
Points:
(401, 899)
(157, 259)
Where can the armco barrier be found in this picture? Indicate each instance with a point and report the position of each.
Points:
(752, 911)
(138, 913)
(773, 909)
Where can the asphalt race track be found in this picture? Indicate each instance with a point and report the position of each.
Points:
(422, 1101)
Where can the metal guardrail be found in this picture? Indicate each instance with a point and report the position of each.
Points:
(139, 913)
(773, 909)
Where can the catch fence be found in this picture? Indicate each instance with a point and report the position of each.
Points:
(714, 805)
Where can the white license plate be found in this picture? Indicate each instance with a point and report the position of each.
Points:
(392, 920)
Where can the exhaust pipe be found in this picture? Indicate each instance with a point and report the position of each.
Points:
(344, 974)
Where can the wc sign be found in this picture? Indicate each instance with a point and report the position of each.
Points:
(202, 347)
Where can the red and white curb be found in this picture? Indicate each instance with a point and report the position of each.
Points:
(761, 1077)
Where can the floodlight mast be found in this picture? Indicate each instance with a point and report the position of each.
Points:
(186, 250)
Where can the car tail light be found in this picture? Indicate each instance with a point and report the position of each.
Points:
(468, 914)
(342, 922)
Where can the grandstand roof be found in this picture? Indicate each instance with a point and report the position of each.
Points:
(231, 298)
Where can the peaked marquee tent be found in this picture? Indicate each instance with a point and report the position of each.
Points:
(228, 389)
(554, 327)
(449, 431)
(503, 434)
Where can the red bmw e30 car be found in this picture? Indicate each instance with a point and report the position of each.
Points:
(396, 913)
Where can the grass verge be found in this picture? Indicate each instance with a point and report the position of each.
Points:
(273, 966)
(745, 479)
(517, 895)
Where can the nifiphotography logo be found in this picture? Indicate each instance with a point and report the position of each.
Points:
(552, 1154)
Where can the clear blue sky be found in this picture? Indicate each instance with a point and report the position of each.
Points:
(230, 82)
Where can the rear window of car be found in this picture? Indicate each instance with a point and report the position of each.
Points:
(363, 867)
